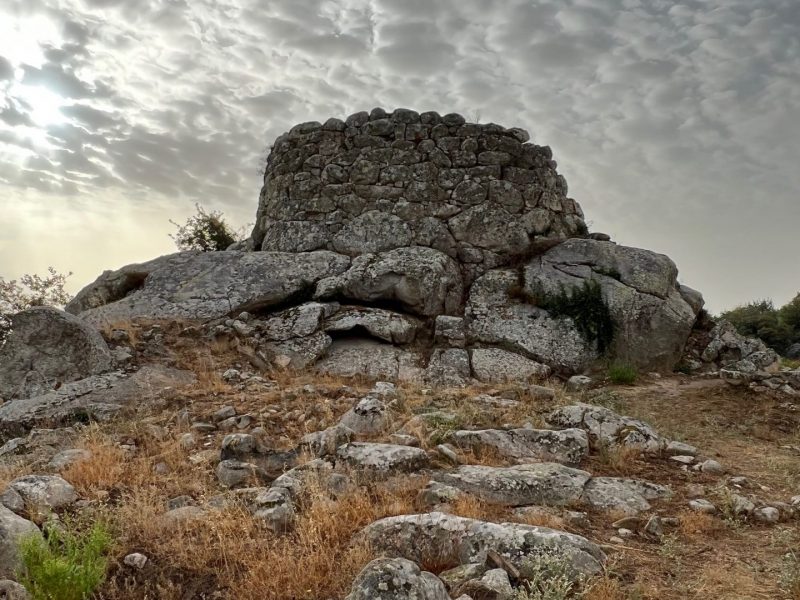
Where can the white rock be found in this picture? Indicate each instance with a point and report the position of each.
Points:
(135, 560)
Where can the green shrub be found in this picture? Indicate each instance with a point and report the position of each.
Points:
(65, 564)
(547, 577)
(622, 373)
(779, 328)
(587, 309)
(204, 231)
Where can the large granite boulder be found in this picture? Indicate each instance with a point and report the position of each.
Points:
(651, 318)
(458, 540)
(204, 285)
(99, 397)
(421, 280)
(48, 347)
(497, 315)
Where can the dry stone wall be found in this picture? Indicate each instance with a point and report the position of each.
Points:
(377, 181)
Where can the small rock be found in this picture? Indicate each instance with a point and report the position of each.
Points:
(680, 449)
(703, 506)
(741, 505)
(625, 533)
(684, 460)
(187, 441)
(654, 527)
(576, 518)
(494, 585)
(402, 439)
(634, 523)
(135, 560)
(449, 453)
(695, 490)
(711, 467)
(226, 412)
(44, 492)
(180, 501)
(767, 514)
(578, 383)
(203, 427)
(616, 540)
(11, 499)
(161, 468)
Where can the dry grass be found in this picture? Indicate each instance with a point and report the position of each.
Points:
(604, 588)
(619, 460)
(472, 507)
(231, 552)
(699, 525)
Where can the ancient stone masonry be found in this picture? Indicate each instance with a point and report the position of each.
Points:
(481, 194)
(415, 247)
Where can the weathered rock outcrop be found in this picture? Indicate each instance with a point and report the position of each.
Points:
(415, 247)
(197, 285)
(46, 348)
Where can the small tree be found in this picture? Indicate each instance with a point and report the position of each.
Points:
(204, 231)
(29, 291)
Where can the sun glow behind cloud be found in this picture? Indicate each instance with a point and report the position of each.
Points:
(22, 39)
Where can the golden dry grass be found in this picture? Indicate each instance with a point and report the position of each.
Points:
(604, 588)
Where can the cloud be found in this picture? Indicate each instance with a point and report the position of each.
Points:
(673, 122)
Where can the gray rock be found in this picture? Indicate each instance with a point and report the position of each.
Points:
(424, 281)
(568, 446)
(547, 484)
(370, 359)
(494, 365)
(457, 576)
(435, 493)
(793, 352)
(450, 331)
(44, 493)
(183, 516)
(382, 459)
(203, 285)
(741, 505)
(232, 473)
(448, 367)
(298, 322)
(578, 383)
(372, 231)
(396, 579)
(383, 324)
(767, 514)
(325, 442)
(496, 317)
(628, 496)
(702, 505)
(11, 590)
(65, 458)
(99, 397)
(299, 353)
(48, 347)
(679, 448)
(651, 318)
(368, 416)
(13, 529)
(11, 499)
(711, 467)
(493, 585)
(137, 560)
(459, 540)
(728, 348)
(607, 428)
(274, 507)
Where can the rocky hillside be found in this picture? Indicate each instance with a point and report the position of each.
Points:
(401, 386)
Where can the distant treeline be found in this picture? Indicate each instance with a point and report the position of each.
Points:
(778, 327)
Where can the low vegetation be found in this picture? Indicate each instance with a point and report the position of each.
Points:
(67, 563)
(205, 231)
(587, 309)
(778, 327)
(622, 373)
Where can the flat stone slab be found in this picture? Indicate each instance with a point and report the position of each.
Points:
(568, 446)
(383, 458)
(626, 495)
(549, 484)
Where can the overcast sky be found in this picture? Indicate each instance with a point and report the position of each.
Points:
(676, 124)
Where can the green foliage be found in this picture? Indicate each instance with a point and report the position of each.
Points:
(29, 291)
(66, 564)
(622, 373)
(32, 290)
(547, 577)
(587, 309)
(779, 328)
(204, 231)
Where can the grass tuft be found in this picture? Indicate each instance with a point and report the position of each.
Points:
(65, 564)
(623, 374)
